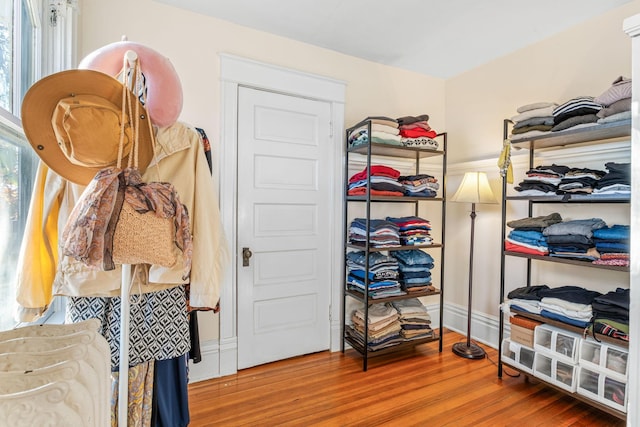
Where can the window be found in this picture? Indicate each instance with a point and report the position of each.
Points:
(18, 163)
(22, 62)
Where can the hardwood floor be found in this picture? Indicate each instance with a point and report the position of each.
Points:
(416, 388)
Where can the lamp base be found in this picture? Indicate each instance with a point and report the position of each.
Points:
(471, 351)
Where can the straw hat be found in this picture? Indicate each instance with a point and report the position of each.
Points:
(164, 91)
(73, 120)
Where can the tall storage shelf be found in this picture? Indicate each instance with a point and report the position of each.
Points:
(606, 133)
(378, 152)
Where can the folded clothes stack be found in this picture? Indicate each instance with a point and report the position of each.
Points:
(416, 132)
(384, 130)
(541, 118)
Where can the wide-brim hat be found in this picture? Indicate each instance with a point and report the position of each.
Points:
(162, 84)
(72, 120)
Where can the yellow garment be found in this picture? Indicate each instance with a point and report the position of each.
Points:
(38, 252)
(43, 271)
(504, 161)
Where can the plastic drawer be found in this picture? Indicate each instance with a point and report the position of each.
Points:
(555, 371)
(603, 388)
(604, 357)
(518, 356)
(557, 343)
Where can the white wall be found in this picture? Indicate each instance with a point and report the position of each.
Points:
(470, 107)
(192, 42)
(581, 61)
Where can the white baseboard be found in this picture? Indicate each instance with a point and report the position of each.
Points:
(208, 367)
(220, 359)
(484, 328)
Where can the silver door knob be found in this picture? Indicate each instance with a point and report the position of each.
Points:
(246, 254)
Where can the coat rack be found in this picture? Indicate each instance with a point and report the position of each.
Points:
(123, 373)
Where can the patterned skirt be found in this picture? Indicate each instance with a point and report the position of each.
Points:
(159, 326)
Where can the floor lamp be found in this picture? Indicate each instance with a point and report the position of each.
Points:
(473, 189)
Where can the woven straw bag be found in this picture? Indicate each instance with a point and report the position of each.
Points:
(141, 236)
(144, 238)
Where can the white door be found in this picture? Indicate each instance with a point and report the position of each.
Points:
(283, 220)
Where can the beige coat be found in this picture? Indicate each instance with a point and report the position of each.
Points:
(43, 271)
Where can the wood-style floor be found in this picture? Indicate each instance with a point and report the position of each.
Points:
(416, 388)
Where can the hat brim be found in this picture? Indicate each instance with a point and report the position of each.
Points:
(40, 102)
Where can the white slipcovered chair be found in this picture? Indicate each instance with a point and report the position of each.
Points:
(64, 368)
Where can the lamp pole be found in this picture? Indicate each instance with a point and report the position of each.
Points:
(469, 350)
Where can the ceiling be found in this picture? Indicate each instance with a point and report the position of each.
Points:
(433, 37)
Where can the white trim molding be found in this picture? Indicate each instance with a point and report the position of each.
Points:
(484, 328)
(208, 367)
(236, 72)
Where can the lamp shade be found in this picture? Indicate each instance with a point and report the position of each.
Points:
(474, 188)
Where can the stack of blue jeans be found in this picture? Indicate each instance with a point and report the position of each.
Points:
(415, 269)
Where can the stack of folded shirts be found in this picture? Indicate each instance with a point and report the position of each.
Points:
(415, 320)
(616, 101)
(413, 230)
(415, 270)
(527, 237)
(568, 304)
(526, 298)
(381, 233)
(384, 182)
(612, 243)
(532, 120)
(416, 132)
(382, 274)
(611, 314)
(617, 180)
(579, 181)
(384, 130)
(542, 180)
(383, 326)
(579, 111)
(421, 185)
(573, 239)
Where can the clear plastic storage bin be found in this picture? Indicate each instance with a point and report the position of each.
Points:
(555, 371)
(604, 357)
(603, 388)
(557, 343)
(517, 355)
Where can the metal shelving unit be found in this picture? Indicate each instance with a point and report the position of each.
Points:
(599, 134)
(371, 150)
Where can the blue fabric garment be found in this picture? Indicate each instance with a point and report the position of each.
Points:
(415, 268)
(619, 247)
(564, 319)
(418, 280)
(423, 193)
(615, 232)
(416, 274)
(534, 238)
(413, 256)
(372, 285)
(170, 407)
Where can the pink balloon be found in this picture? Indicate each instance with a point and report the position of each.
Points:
(164, 91)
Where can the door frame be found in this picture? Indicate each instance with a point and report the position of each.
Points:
(236, 71)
